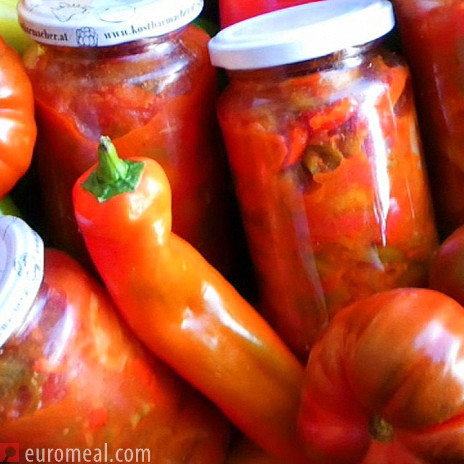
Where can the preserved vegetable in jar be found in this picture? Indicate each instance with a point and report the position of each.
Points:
(73, 378)
(432, 34)
(233, 11)
(323, 143)
(140, 74)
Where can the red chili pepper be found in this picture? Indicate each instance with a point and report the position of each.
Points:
(181, 307)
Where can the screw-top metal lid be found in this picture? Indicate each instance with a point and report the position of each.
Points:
(100, 23)
(300, 33)
(21, 272)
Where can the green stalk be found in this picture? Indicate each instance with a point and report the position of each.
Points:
(112, 175)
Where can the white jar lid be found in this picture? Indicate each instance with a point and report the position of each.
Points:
(101, 23)
(300, 33)
(21, 272)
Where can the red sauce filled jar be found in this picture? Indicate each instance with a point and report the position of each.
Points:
(321, 133)
(75, 385)
(233, 11)
(432, 37)
(137, 71)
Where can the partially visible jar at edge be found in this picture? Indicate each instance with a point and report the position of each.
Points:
(233, 11)
(432, 37)
(329, 174)
(154, 96)
(74, 381)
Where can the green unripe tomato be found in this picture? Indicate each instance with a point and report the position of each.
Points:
(8, 207)
(10, 29)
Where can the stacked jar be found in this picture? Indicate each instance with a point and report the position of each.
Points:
(139, 73)
(321, 133)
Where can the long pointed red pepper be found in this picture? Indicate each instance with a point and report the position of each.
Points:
(181, 307)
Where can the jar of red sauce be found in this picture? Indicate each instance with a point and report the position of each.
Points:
(74, 380)
(321, 133)
(137, 71)
(233, 11)
(432, 37)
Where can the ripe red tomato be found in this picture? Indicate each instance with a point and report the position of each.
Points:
(446, 272)
(17, 123)
(385, 382)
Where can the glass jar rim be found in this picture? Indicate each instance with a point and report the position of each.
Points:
(300, 33)
(103, 23)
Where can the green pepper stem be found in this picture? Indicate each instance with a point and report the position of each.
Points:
(112, 175)
(111, 168)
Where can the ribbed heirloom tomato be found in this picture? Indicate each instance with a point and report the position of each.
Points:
(17, 123)
(385, 382)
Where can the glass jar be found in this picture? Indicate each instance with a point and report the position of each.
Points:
(320, 128)
(74, 380)
(432, 37)
(233, 11)
(139, 73)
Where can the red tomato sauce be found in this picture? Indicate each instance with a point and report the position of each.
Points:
(153, 99)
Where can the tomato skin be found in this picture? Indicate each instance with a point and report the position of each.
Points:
(383, 384)
(17, 124)
(446, 272)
